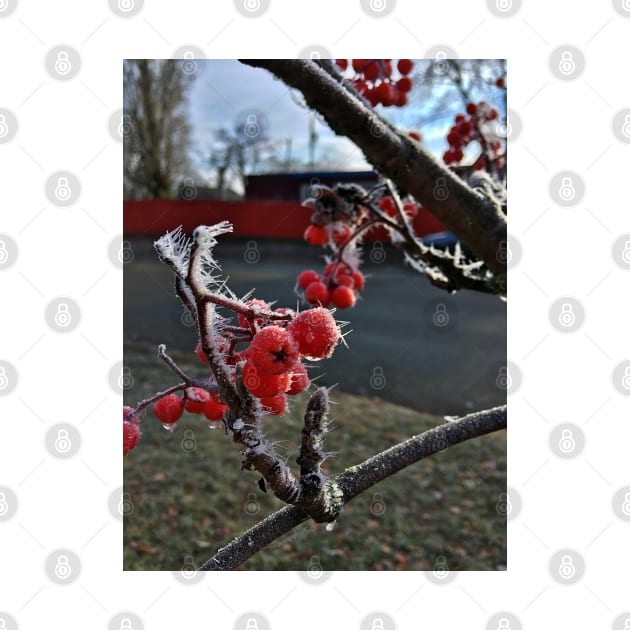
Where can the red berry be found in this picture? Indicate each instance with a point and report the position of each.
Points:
(405, 66)
(200, 353)
(316, 332)
(448, 157)
(261, 383)
(454, 139)
(341, 269)
(299, 380)
(385, 93)
(415, 135)
(372, 96)
(359, 280)
(273, 350)
(359, 64)
(343, 297)
(387, 205)
(306, 277)
(131, 435)
(460, 118)
(126, 411)
(471, 108)
(342, 233)
(317, 293)
(492, 114)
(401, 99)
(480, 163)
(195, 399)
(371, 71)
(500, 82)
(405, 84)
(345, 280)
(316, 235)
(256, 305)
(214, 408)
(169, 409)
(464, 128)
(274, 405)
(342, 63)
(457, 155)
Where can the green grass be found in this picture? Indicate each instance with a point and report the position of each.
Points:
(190, 496)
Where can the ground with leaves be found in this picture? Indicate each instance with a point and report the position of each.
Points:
(190, 497)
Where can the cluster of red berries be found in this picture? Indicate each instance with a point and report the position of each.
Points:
(466, 129)
(271, 367)
(338, 285)
(373, 79)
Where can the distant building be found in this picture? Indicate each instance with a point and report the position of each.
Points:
(296, 186)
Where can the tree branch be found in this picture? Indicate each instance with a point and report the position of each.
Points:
(475, 219)
(355, 480)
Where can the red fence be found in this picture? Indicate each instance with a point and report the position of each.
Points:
(251, 219)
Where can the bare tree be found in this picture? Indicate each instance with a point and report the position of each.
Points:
(157, 138)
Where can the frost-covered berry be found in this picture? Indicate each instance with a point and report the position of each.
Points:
(299, 380)
(261, 383)
(214, 409)
(316, 333)
(273, 350)
(169, 409)
(195, 399)
(274, 405)
(131, 435)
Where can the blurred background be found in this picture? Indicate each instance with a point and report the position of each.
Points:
(206, 141)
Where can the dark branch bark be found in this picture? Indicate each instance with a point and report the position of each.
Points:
(475, 219)
(357, 479)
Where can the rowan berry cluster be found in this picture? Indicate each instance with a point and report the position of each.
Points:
(373, 79)
(265, 352)
(341, 218)
(472, 127)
